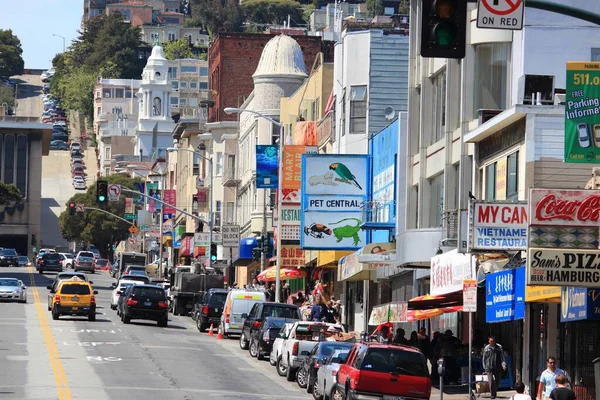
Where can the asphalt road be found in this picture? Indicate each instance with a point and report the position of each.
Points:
(29, 91)
(73, 358)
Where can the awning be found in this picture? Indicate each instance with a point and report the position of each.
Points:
(186, 246)
(330, 258)
(542, 294)
(269, 274)
(349, 269)
(428, 302)
(199, 251)
(419, 315)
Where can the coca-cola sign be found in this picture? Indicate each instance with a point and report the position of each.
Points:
(562, 207)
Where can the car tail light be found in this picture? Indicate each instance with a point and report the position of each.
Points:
(60, 261)
(267, 335)
(131, 302)
(93, 300)
(57, 298)
(163, 304)
(205, 310)
(226, 318)
(295, 349)
(257, 324)
(317, 365)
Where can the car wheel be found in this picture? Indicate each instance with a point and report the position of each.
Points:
(302, 378)
(258, 355)
(92, 317)
(281, 369)
(201, 327)
(41, 271)
(55, 314)
(243, 341)
(68, 266)
(272, 362)
(113, 307)
(316, 391)
(163, 322)
(126, 319)
(253, 349)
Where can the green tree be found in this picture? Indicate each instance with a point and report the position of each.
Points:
(374, 7)
(9, 193)
(78, 91)
(271, 11)
(11, 54)
(177, 49)
(217, 15)
(7, 95)
(404, 7)
(95, 226)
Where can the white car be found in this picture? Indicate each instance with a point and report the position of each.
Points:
(68, 259)
(326, 380)
(79, 185)
(278, 344)
(583, 135)
(123, 284)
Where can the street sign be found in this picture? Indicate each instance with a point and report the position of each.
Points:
(130, 217)
(79, 207)
(217, 238)
(469, 295)
(131, 241)
(150, 227)
(167, 226)
(201, 239)
(133, 229)
(114, 191)
(500, 14)
(230, 235)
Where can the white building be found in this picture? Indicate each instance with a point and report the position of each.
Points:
(465, 117)
(154, 123)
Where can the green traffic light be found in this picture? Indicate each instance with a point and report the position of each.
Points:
(213, 257)
(444, 33)
(101, 198)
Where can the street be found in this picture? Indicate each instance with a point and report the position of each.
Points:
(75, 359)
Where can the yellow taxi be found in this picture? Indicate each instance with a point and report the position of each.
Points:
(74, 297)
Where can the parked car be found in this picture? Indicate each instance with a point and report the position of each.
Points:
(278, 346)
(262, 339)
(147, 302)
(583, 135)
(210, 308)
(79, 185)
(13, 289)
(307, 373)
(326, 383)
(382, 371)
(9, 258)
(74, 297)
(50, 262)
(239, 302)
(24, 261)
(67, 259)
(259, 311)
(58, 145)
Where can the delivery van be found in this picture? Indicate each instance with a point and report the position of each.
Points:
(239, 301)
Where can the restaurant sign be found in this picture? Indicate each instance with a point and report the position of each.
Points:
(448, 270)
(563, 267)
(562, 207)
(499, 226)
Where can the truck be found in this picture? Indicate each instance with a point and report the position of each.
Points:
(129, 258)
(186, 288)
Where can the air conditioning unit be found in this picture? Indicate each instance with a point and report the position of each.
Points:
(531, 85)
(559, 99)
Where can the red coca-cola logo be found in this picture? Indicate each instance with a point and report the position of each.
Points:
(550, 208)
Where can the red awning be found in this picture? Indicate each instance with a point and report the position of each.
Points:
(428, 302)
(199, 251)
(186, 246)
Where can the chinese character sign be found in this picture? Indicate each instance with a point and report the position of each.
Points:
(292, 256)
(170, 197)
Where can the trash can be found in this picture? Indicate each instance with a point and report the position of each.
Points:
(596, 363)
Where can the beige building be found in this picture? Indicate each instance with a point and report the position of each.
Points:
(189, 80)
(160, 34)
(23, 144)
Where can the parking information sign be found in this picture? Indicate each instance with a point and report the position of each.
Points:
(500, 14)
(582, 113)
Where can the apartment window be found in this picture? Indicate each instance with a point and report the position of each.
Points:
(172, 36)
(490, 182)
(193, 85)
(107, 153)
(129, 94)
(595, 54)
(388, 11)
(491, 77)
(175, 85)
(203, 71)
(106, 93)
(183, 85)
(188, 69)
(119, 93)
(182, 101)
(358, 109)
(193, 102)
(218, 206)
(512, 178)
(172, 72)
(436, 201)
(219, 164)
(174, 101)
(154, 37)
(203, 85)
(439, 107)
(230, 211)
(106, 171)
(196, 167)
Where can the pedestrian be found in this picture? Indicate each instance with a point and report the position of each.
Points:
(399, 338)
(384, 334)
(414, 339)
(285, 292)
(300, 299)
(424, 343)
(337, 305)
(330, 313)
(316, 311)
(562, 392)
(520, 388)
(271, 292)
(548, 379)
(493, 364)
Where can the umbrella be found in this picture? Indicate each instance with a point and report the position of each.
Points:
(285, 273)
(419, 315)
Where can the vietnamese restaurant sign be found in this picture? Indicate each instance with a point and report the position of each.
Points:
(563, 267)
(499, 226)
(563, 207)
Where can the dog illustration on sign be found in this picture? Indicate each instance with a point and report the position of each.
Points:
(325, 179)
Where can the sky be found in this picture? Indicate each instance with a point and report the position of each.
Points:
(35, 21)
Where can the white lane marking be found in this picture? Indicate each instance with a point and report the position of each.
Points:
(17, 358)
(103, 359)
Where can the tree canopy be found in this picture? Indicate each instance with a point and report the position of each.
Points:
(9, 193)
(95, 226)
(11, 54)
(7, 95)
(375, 7)
(217, 15)
(272, 11)
(176, 49)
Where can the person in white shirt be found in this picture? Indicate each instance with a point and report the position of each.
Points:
(548, 379)
(520, 388)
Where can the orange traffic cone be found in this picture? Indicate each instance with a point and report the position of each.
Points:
(210, 330)
(220, 333)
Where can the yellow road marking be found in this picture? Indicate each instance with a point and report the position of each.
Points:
(64, 393)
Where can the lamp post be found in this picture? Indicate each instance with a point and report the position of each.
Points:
(63, 39)
(231, 110)
(210, 205)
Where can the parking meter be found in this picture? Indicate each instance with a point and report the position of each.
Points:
(441, 370)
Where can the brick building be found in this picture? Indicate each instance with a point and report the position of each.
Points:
(233, 58)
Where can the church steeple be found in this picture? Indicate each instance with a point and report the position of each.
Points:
(155, 88)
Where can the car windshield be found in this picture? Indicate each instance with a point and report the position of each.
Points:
(23, 258)
(281, 311)
(218, 299)
(68, 255)
(123, 286)
(9, 252)
(275, 323)
(148, 292)
(327, 348)
(51, 256)
(86, 254)
(390, 360)
(101, 261)
(75, 289)
(139, 278)
(9, 282)
(136, 272)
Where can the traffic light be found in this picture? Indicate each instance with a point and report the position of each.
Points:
(256, 253)
(33, 240)
(213, 252)
(443, 28)
(71, 209)
(266, 241)
(101, 192)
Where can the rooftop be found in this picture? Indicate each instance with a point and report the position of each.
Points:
(282, 55)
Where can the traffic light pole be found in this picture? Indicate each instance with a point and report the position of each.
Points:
(109, 213)
(564, 10)
(163, 203)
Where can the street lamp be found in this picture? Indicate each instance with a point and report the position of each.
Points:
(232, 110)
(210, 206)
(63, 39)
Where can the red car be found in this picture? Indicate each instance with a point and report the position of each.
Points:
(384, 371)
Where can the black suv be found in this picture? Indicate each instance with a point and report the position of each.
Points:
(260, 311)
(9, 257)
(146, 302)
(209, 308)
(261, 340)
(50, 262)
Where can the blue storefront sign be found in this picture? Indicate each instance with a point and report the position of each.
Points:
(267, 171)
(578, 304)
(505, 295)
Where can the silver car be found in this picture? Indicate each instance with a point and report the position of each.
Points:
(326, 380)
(85, 264)
(13, 289)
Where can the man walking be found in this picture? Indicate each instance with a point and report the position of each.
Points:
(562, 392)
(548, 379)
(493, 364)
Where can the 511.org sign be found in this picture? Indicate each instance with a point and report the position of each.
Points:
(582, 113)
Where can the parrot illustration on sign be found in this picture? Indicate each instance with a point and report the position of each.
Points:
(344, 173)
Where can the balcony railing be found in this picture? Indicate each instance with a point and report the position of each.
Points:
(379, 214)
(231, 177)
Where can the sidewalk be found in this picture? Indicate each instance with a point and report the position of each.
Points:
(435, 395)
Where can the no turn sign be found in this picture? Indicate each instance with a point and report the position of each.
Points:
(114, 191)
(500, 14)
